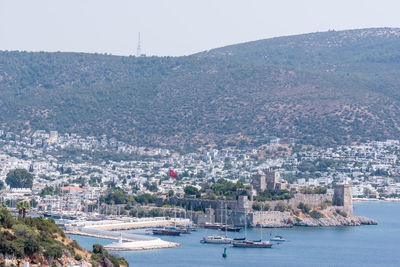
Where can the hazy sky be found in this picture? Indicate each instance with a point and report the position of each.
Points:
(176, 27)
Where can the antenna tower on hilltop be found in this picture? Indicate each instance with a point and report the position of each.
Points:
(139, 49)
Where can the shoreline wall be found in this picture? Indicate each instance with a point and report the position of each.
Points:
(215, 209)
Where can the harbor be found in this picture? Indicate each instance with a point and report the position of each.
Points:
(304, 246)
(113, 230)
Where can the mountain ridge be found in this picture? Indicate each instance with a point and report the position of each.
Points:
(306, 87)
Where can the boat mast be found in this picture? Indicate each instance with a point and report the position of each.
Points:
(226, 222)
(191, 214)
(261, 227)
(245, 224)
(210, 213)
(175, 216)
(222, 203)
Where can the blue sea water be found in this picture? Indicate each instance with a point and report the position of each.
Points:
(375, 245)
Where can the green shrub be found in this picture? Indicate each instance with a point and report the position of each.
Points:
(304, 207)
(316, 214)
(75, 244)
(78, 257)
(259, 206)
(7, 220)
(101, 256)
(280, 206)
(31, 246)
(53, 252)
(23, 231)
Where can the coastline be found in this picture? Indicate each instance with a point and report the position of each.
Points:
(376, 200)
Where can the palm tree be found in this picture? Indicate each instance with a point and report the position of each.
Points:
(22, 206)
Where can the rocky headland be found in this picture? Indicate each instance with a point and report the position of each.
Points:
(325, 219)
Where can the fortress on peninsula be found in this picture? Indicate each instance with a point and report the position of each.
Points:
(301, 208)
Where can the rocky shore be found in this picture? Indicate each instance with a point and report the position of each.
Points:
(331, 220)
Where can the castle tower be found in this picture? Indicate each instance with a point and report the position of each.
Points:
(258, 182)
(243, 203)
(272, 178)
(343, 197)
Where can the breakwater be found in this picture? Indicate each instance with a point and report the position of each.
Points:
(108, 229)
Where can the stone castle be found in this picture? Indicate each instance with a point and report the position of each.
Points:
(235, 211)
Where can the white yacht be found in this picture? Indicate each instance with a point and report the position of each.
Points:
(216, 239)
(278, 238)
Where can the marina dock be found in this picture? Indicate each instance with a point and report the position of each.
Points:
(108, 229)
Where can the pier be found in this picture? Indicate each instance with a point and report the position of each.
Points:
(108, 229)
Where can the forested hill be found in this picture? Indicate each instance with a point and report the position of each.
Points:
(319, 88)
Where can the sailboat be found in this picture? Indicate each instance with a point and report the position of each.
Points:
(245, 243)
(218, 238)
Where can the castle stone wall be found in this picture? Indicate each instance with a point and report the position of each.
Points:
(269, 217)
(313, 200)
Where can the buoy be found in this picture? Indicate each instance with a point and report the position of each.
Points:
(224, 254)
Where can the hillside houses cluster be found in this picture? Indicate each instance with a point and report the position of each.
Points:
(372, 168)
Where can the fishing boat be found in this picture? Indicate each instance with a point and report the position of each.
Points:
(167, 231)
(216, 239)
(277, 238)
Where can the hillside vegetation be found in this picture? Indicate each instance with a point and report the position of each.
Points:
(320, 88)
(40, 241)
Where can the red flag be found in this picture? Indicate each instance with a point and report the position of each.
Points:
(173, 174)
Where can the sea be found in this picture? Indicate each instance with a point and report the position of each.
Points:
(369, 245)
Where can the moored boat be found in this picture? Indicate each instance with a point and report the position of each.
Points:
(231, 229)
(166, 231)
(212, 226)
(277, 238)
(216, 239)
(184, 230)
(245, 243)
(252, 244)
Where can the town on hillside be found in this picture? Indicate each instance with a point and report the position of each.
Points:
(71, 176)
